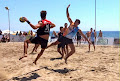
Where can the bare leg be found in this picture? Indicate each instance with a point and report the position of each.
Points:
(66, 49)
(94, 46)
(58, 49)
(72, 47)
(27, 45)
(41, 52)
(54, 43)
(25, 48)
(89, 47)
(77, 42)
(63, 52)
(80, 41)
(35, 48)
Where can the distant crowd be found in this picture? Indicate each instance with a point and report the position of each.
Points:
(25, 33)
(5, 37)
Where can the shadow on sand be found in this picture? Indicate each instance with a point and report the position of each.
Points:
(34, 75)
(59, 58)
(32, 53)
(62, 71)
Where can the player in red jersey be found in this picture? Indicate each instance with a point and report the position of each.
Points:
(42, 34)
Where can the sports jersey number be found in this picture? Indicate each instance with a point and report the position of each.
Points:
(47, 28)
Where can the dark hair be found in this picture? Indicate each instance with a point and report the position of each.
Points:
(43, 14)
(78, 20)
(61, 27)
(91, 28)
(65, 23)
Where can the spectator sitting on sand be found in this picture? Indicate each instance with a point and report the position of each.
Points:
(3, 39)
(7, 38)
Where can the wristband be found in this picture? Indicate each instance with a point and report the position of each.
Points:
(28, 22)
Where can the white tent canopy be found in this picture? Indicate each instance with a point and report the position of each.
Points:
(12, 32)
(7, 32)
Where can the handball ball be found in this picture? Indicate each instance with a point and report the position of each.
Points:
(22, 19)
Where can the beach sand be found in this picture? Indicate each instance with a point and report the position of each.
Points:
(100, 65)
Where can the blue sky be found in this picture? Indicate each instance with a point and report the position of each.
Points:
(107, 13)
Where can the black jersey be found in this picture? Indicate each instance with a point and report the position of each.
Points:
(78, 34)
(45, 29)
(60, 34)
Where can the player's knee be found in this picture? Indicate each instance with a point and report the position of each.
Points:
(73, 51)
(25, 42)
(58, 49)
(55, 43)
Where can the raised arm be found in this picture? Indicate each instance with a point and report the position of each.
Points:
(33, 26)
(68, 16)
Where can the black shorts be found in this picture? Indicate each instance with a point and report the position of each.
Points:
(92, 42)
(61, 45)
(39, 40)
(79, 38)
(65, 41)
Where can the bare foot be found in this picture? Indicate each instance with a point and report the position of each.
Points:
(34, 63)
(62, 56)
(65, 60)
(23, 57)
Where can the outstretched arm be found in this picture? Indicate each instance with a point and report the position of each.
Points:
(68, 16)
(83, 35)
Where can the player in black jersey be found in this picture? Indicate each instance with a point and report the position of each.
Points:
(60, 47)
(42, 34)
